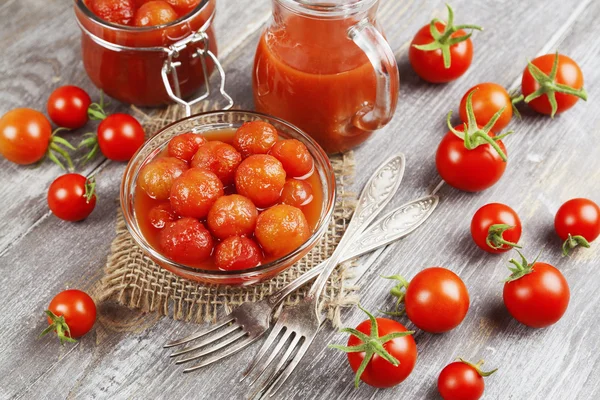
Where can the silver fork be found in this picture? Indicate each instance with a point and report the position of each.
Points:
(251, 320)
(297, 326)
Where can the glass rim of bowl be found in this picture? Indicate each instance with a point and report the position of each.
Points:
(126, 28)
(129, 180)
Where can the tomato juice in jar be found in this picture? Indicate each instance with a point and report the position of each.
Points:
(127, 62)
(327, 69)
(143, 204)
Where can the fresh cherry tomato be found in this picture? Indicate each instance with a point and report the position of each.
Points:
(496, 228)
(577, 223)
(469, 170)
(442, 52)
(469, 157)
(115, 11)
(120, 136)
(388, 356)
(552, 83)
(25, 135)
(68, 107)
(154, 13)
(72, 197)
(462, 380)
(488, 99)
(71, 314)
(536, 294)
(436, 300)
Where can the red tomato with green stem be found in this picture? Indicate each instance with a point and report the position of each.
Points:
(72, 197)
(119, 137)
(496, 228)
(71, 314)
(577, 223)
(552, 84)
(488, 99)
(469, 157)
(68, 107)
(381, 351)
(26, 137)
(441, 52)
(462, 380)
(436, 300)
(536, 294)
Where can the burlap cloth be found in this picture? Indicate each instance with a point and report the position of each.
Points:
(134, 280)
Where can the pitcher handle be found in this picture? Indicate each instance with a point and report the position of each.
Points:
(381, 56)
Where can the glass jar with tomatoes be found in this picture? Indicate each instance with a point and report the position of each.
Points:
(148, 65)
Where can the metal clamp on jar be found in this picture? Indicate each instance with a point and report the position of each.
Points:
(126, 62)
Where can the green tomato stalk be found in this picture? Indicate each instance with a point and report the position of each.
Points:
(60, 326)
(521, 268)
(549, 86)
(495, 239)
(443, 41)
(371, 344)
(473, 135)
(477, 367)
(574, 241)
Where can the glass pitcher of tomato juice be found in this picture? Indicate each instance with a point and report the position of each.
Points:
(325, 67)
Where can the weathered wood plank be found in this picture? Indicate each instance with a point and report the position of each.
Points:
(115, 362)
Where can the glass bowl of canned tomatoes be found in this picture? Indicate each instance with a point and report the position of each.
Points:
(228, 197)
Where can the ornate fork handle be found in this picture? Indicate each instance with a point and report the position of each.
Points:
(393, 226)
(376, 195)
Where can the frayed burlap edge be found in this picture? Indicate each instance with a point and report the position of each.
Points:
(134, 280)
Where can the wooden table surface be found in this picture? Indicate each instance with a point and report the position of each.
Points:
(551, 161)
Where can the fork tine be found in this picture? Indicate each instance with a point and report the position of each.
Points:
(277, 384)
(212, 349)
(219, 356)
(286, 357)
(274, 353)
(208, 340)
(197, 335)
(268, 342)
